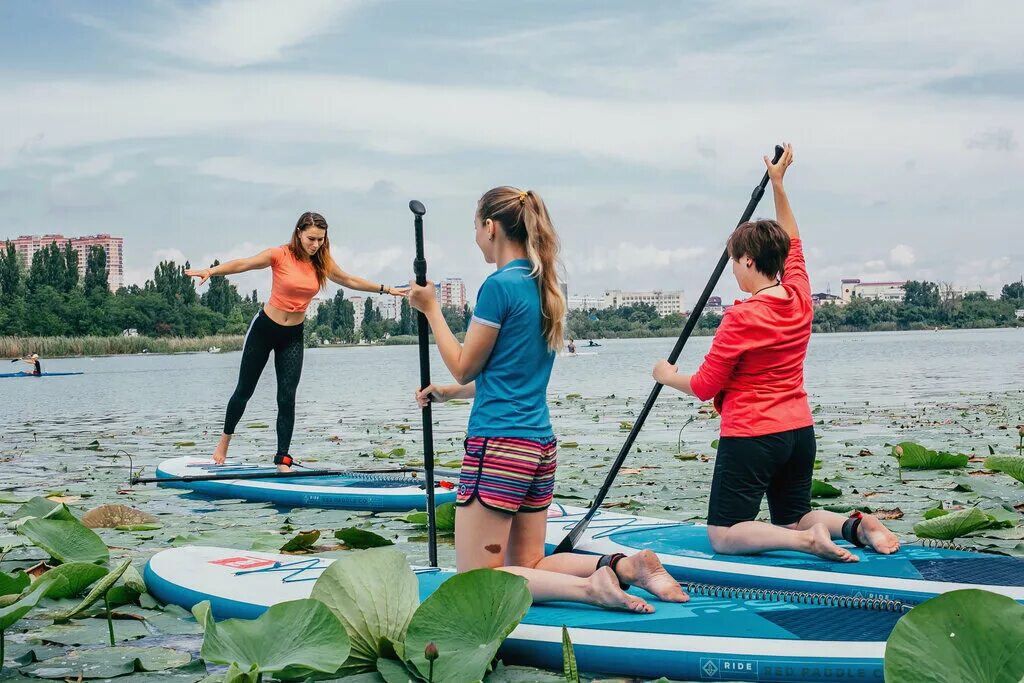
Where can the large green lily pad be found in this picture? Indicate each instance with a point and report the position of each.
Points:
(66, 540)
(912, 456)
(1012, 465)
(108, 662)
(953, 525)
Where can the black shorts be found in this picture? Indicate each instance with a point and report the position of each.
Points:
(748, 467)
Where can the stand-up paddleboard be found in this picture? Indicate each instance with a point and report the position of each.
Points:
(912, 575)
(349, 491)
(44, 374)
(705, 639)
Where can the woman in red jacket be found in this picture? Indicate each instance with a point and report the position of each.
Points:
(755, 372)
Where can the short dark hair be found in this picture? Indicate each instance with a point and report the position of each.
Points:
(762, 240)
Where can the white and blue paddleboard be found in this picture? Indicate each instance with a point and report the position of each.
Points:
(349, 491)
(912, 575)
(704, 639)
(32, 374)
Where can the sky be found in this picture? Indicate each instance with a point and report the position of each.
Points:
(202, 130)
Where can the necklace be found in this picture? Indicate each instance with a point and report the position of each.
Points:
(764, 288)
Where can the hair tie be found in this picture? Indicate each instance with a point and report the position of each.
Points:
(522, 197)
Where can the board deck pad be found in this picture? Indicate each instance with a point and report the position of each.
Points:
(912, 575)
(352, 491)
(704, 639)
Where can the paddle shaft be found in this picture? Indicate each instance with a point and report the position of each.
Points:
(419, 266)
(570, 541)
(280, 475)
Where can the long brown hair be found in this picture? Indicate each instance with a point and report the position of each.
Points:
(321, 260)
(524, 219)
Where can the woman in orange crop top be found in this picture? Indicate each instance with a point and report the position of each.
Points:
(300, 270)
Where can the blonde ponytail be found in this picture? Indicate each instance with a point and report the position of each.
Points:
(524, 218)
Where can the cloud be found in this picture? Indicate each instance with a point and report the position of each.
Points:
(995, 139)
(902, 255)
(627, 257)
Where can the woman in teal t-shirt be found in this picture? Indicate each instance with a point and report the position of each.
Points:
(508, 472)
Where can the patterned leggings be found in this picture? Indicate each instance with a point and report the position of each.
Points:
(285, 341)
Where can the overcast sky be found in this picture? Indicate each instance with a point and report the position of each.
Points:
(202, 130)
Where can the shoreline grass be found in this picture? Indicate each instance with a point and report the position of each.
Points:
(70, 347)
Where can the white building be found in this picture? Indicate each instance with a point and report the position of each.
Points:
(877, 291)
(584, 302)
(389, 307)
(357, 310)
(451, 291)
(665, 303)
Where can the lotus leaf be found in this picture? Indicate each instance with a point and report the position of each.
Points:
(115, 516)
(108, 662)
(14, 584)
(822, 489)
(41, 507)
(71, 579)
(301, 541)
(964, 635)
(11, 612)
(468, 617)
(298, 635)
(1012, 465)
(105, 584)
(952, 525)
(359, 539)
(912, 456)
(66, 540)
(374, 593)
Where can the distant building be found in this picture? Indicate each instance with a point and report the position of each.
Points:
(451, 291)
(27, 245)
(714, 305)
(824, 298)
(584, 302)
(665, 303)
(389, 307)
(854, 288)
(357, 311)
(1019, 313)
(130, 332)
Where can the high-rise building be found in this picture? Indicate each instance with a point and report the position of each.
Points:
(584, 302)
(665, 303)
(27, 245)
(451, 291)
(357, 311)
(389, 307)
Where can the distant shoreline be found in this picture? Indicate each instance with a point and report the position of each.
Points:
(78, 347)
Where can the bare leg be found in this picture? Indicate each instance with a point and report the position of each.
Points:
(748, 538)
(481, 540)
(220, 453)
(871, 531)
(644, 569)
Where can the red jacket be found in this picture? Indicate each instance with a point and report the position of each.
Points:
(755, 368)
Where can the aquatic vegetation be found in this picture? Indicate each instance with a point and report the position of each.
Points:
(569, 669)
(1012, 465)
(952, 524)
(912, 456)
(823, 489)
(293, 639)
(965, 635)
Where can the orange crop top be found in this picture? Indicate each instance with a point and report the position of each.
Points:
(294, 282)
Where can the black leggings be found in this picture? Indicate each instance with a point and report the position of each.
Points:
(285, 341)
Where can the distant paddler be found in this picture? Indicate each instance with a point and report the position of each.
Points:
(300, 269)
(33, 360)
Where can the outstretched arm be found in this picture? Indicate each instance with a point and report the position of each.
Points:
(339, 276)
(783, 211)
(238, 265)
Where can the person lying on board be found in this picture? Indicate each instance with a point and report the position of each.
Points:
(755, 373)
(300, 269)
(508, 472)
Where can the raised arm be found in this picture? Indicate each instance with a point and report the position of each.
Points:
(783, 211)
(339, 276)
(238, 265)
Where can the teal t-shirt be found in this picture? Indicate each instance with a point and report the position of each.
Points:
(511, 390)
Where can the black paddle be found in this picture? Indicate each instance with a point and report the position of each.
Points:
(281, 475)
(570, 541)
(419, 266)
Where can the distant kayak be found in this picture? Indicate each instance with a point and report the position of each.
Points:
(45, 374)
(582, 353)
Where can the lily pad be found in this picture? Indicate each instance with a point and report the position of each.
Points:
(303, 540)
(360, 539)
(952, 525)
(66, 541)
(14, 584)
(41, 507)
(298, 634)
(108, 662)
(1012, 465)
(822, 489)
(468, 618)
(71, 579)
(954, 634)
(116, 516)
(90, 632)
(96, 593)
(444, 517)
(912, 456)
(374, 593)
(11, 612)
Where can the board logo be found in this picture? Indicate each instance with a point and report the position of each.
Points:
(243, 562)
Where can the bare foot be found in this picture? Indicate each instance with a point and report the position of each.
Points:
(644, 570)
(876, 536)
(819, 542)
(603, 591)
(284, 468)
(220, 453)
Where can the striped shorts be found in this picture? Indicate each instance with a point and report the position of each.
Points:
(508, 475)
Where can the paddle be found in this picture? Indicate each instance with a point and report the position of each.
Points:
(419, 266)
(281, 475)
(569, 542)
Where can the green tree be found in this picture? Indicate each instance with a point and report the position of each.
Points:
(924, 294)
(406, 318)
(10, 272)
(70, 267)
(222, 296)
(453, 315)
(96, 273)
(1013, 291)
(48, 269)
